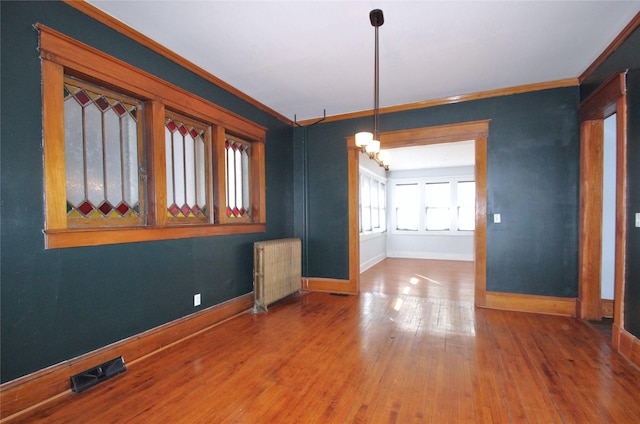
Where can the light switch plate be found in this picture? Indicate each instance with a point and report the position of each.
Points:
(638, 219)
(196, 299)
(496, 218)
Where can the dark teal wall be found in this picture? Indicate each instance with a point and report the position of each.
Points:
(58, 304)
(632, 288)
(627, 57)
(533, 157)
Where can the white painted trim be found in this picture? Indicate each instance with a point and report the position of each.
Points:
(432, 255)
(371, 262)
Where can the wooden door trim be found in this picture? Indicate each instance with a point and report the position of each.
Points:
(607, 99)
(475, 130)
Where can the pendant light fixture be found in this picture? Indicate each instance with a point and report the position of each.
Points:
(370, 142)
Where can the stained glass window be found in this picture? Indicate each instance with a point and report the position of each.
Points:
(237, 175)
(128, 157)
(186, 165)
(102, 157)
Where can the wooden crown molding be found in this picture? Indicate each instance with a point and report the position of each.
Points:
(138, 37)
(615, 44)
(569, 82)
(129, 32)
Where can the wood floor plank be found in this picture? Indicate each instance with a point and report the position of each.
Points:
(410, 348)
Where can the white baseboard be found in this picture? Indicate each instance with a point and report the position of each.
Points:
(432, 255)
(371, 262)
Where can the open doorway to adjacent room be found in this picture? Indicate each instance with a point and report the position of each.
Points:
(459, 136)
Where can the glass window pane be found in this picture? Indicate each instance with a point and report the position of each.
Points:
(407, 208)
(113, 158)
(168, 144)
(466, 219)
(364, 191)
(94, 155)
(466, 205)
(438, 219)
(438, 194)
(130, 164)
(74, 152)
(366, 219)
(466, 193)
(383, 206)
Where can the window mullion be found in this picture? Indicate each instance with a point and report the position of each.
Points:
(220, 180)
(453, 206)
(155, 168)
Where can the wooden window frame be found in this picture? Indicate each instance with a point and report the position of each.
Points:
(62, 55)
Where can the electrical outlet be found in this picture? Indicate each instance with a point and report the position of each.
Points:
(496, 218)
(196, 299)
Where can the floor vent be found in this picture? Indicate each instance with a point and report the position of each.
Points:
(89, 378)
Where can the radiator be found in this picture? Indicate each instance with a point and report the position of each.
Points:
(276, 270)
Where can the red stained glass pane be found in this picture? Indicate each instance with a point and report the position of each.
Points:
(235, 211)
(83, 97)
(234, 146)
(229, 211)
(226, 144)
(123, 208)
(242, 211)
(196, 210)
(185, 210)
(102, 103)
(172, 126)
(174, 209)
(194, 133)
(120, 110)
(85, 207)
(182, 129)
(105, 208)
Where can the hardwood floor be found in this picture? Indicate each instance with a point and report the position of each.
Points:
(411, 348)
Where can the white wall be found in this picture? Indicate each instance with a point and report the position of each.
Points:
(608, 209)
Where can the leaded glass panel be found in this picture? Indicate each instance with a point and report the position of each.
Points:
(237, 161)
(186, 166)
(102, 150)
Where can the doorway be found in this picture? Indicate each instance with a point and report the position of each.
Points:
(608, 101)
(477, 131)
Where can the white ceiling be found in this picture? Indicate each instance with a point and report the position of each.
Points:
(445, 155)
(300, 58)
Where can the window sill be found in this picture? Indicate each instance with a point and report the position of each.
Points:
(58, 239)
(433, 233)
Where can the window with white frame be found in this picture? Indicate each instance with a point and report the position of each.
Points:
(434, 205)
(373, 199)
